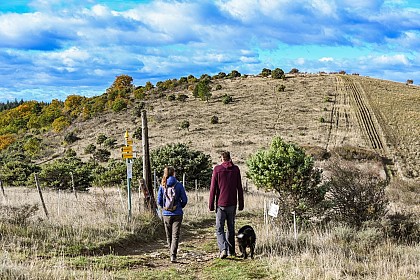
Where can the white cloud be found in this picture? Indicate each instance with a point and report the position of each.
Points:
(397, 59)
(326, 59)
(300, 61)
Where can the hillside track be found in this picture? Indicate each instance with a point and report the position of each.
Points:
(342, 125)
(364, 115)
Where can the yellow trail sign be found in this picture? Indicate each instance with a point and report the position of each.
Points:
(127, 149)
(127, 155)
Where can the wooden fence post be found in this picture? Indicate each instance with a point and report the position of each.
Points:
(40, 194)
(2, 189)
(72, 185)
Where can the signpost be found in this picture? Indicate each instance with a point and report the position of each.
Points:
(127, 154)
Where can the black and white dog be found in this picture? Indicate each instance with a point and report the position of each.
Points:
(246, 239)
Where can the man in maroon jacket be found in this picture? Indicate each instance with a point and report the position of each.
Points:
(226, 189)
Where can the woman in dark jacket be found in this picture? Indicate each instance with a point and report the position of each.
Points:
(172, 219)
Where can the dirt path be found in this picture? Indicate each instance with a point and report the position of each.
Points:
(196, 249)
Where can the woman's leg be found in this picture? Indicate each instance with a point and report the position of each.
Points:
(176, 231)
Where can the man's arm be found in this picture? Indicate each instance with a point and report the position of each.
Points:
(240, 192)
(213, 187)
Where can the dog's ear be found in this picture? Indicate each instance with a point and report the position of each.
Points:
(240, 236)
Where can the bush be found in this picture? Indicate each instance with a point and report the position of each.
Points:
(214, 120)
(101, 139)
(355, 196)
(101, 155)
(226, 99)
(202, 90)
(219, 87)
(138, 108)
(71, 137)
(17, 172)
(265, 72)
(57, 175)
(282, 88)
(138, 133)
(171, 97)
(185, 125)
(286, 169)
(402, 227)
(17, 215)
(194, 164)
(115, 174)
(110, 143)
(277, 74)
(90, 149)
(182, 97)
(119, 104)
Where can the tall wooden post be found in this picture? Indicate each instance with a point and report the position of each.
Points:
(40, 194)
(147, 173)
(2, 189)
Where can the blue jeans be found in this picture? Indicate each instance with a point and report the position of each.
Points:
(226, 241)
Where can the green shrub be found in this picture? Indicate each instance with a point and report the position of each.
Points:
(286, 169)
(101, 155)
(110, 143)
(138, 108)
(219, 87)
(119, 104)
(71, 137)
(89, 149)
(182, 97)
(214, 120)
(185, 125)
(171, 97)
(321, 119)
(101, 139)
(57, 175)
(277, 74)
(17, 172)
(282, 88)
(138, 133)
(194, 164)
(226, 99)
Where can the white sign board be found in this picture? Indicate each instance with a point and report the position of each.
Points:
(273, 211)
(130, 170)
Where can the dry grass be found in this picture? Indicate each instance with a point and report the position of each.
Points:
(99, 217)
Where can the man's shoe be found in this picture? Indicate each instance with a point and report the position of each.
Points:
(223, 254)
(232, 254)
(173, 258)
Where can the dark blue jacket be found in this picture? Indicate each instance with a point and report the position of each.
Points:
(180, 197)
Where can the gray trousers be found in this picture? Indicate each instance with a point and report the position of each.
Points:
(172, 229)
(226, 241)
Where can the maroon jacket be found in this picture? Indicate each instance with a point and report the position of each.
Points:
(226, 186)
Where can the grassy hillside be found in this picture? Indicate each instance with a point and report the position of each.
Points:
(324, 113)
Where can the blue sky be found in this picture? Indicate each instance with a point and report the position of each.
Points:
(53, 48)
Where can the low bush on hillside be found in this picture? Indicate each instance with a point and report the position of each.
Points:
(226, 99)
(355, 196)
(402, 227)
